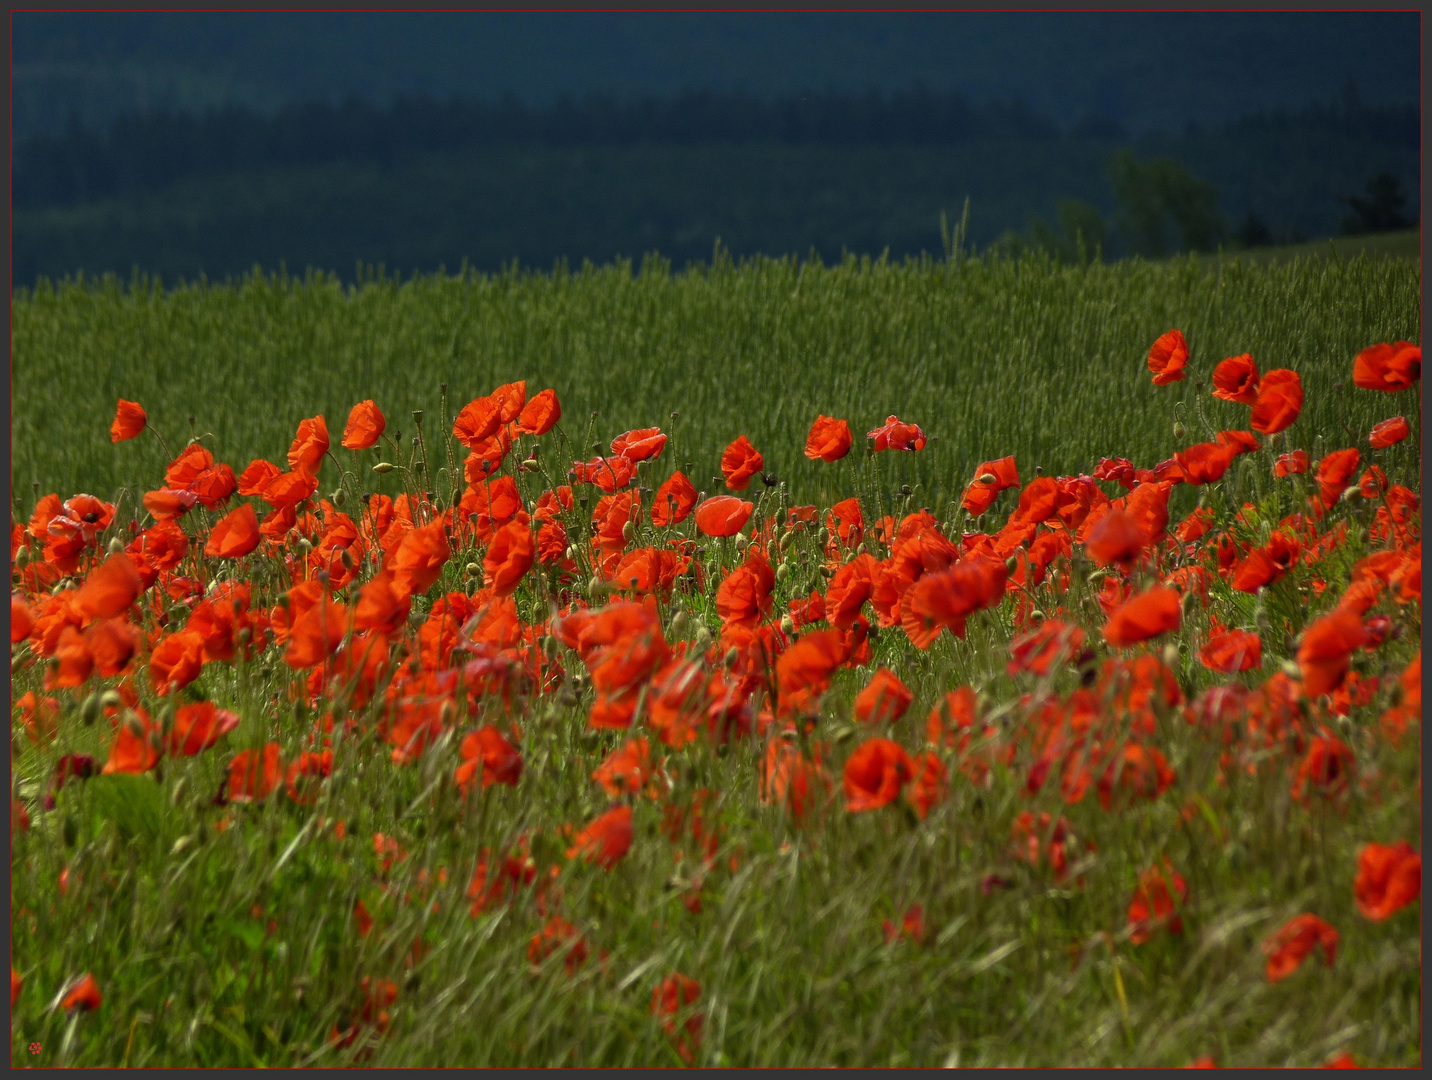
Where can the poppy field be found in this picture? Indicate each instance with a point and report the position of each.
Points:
(985, 662)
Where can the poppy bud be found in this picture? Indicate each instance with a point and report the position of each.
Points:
(823, 536)
(570, 553)
(337, 498)
(678, 622)
(783, 571)
(244, 636)
(628, 531)
(472, 570)
(1036, 615)
(133, 724)
(731, 656)
(22, 556)
(383, 467)
(788, 625)
(826, 571)
(91, 709)
(418, 416)
(1179, 431)
(180, 790)
(110, 699)
(1010, 563)
(780, 515)
(1170, 655)
(1290, 668)
(987, 478)
(116, 545)
(1350, 494)
(703, 638)
(304, 545)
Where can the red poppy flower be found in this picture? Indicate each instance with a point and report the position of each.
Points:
(674, 995)
(1279, 401)
(1151, 613)
(723, 515)
(1389, 433)
(639, 445)
(911, 926)
(1043, 649)
(875, 774)
(1161, 892)
(991, 477)
(309, 445)
(135, 749)
(253, 774)
(234, 535)
(558, 934)
(1388, 367)
(110, 588)
(508, 558)
(129, 421)
(1324, 654)
(1232, 650)
(418, 561)
(628, 770)
(1325, 768)
(1389, 877)
(198, 727)
(305, 773)
(176, 661)
(897, 435)
(929, 785)
(1236, 379)
(611, 474)
(1167, 356)
(477, 422)
(1290, 945)
(1205, 463)
(740, 462)
(1342, 1061)
(674, 501)
(804, 670)
(84, 995)
(829, 439)
(1334, 474)
(192, 460)
(1117, 537)
(489, 751)
(606, 840)
(884, 699)
(791, 780)
(1136, 772)
(382, 605)
(510, 398)
(289, 489)
(1288, 464)
(365, 426)
(257, 477)
(540, 415)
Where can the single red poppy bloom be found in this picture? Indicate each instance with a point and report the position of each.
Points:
(510, 398)
(875, 774)
(234, 535)
(309, 445)
(803, 671)
(176, 661)
(257, 477)
(540, 415)
(929, 784)
(1232, 650)
(1335, 473)
(1325, 769)
(1167, 356)
(84, 995)
(639, 445)
(740, 462)
(488, 750)
(365, 426)
(991, 477)
(508, 558)
(418, 561)
(1236, 379)
(1279, 401)
(723, 515)
(884, 699)
(110, 588)
(477, 422)
(1117, 537)
(606, 840)
(674, 501)
(1288, 464)
(1161, 892)
(829, 439)
(672, 996)
(1389, 433)
(136, 746)
(627, 770)
(129, 421)
(1324, 654)
(1151, 613)
(897, 435)
(198, 727)
(1389, 368)
(1294, 941)
(253, 774)
(1389, 877)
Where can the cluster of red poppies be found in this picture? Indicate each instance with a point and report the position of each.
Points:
(417, 611)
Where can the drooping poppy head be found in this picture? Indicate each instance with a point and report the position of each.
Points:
(1389, 368)
(1279, 401)
(365, 426)
(1389, 433)
(1167, 357)
(540, 415)
(129, 421)
(309, 445)
(829, 439)
(723, 515)
(639, 445)
(1236, 379)
(1389, 877)
(740, 462)
(895, 434)
(875, 774)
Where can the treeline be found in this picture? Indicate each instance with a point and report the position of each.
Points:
(150, 150)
